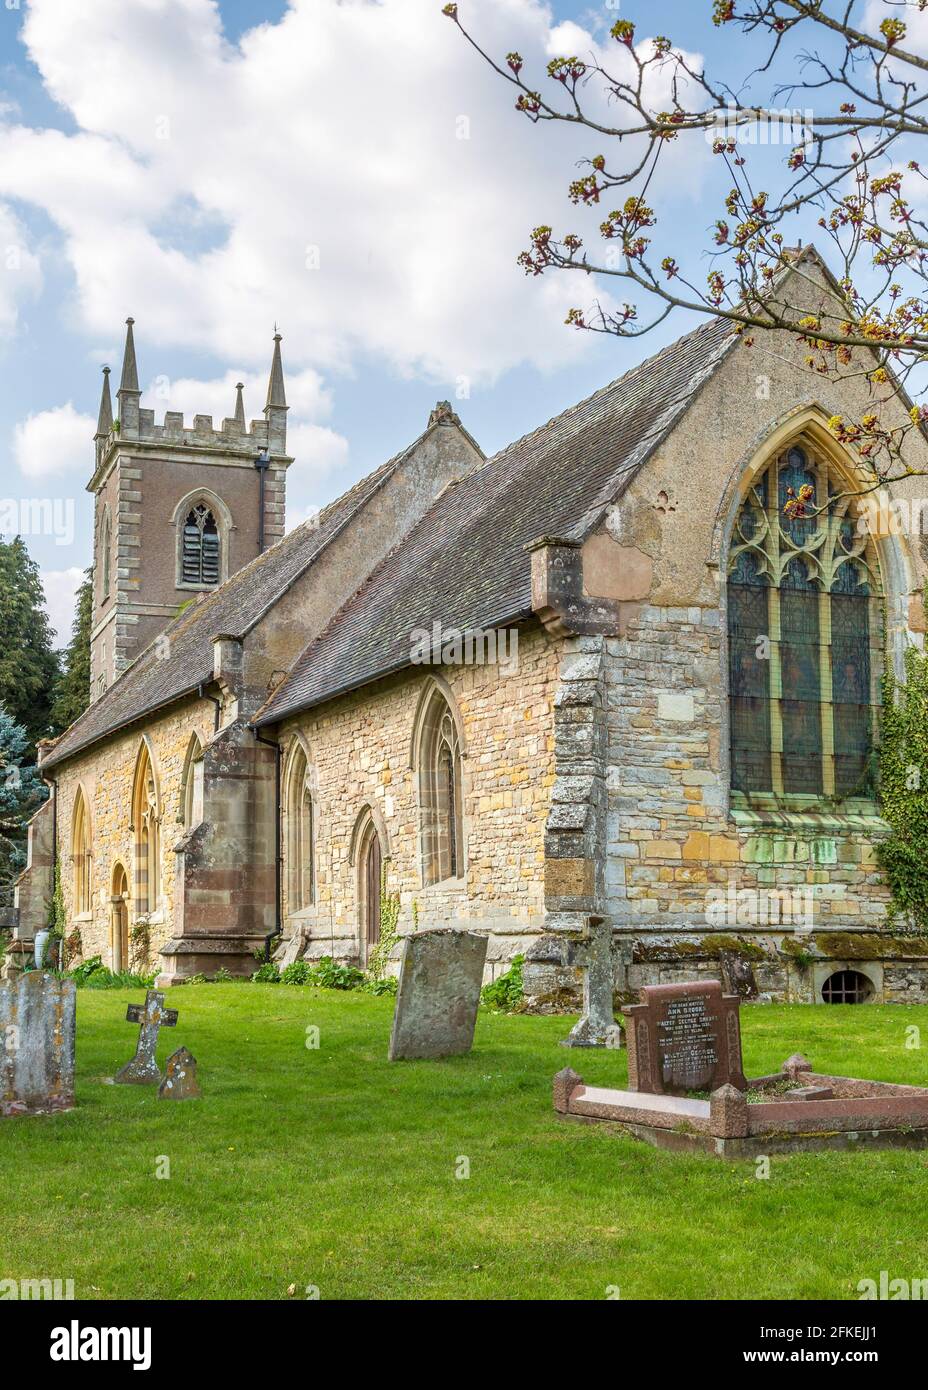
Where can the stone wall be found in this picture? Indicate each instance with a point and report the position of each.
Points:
(359, 753)
(226, 866)
(681, 868)
(106, 774)
(226, 897)
(684, 867)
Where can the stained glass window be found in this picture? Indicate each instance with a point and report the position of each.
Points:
(803, 631)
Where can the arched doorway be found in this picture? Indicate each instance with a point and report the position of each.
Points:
(119, 920)
(371, 878)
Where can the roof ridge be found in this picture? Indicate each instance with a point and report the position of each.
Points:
(377, 478)
(639, 409)
(369, 580)
(194, 612)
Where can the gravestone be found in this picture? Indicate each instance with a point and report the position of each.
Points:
(441, 975)
(143, 1069)
(180, 1077)
(738, 975)
(596, 1027)
(37, 1030)
(684, 1038)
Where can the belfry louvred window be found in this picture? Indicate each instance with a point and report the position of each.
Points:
(201, 547)
(804, 627)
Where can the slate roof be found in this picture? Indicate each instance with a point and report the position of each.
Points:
(155, 680)
(465, 562)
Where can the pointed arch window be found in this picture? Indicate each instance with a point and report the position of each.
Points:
(201, 548)
(371, 881)
(191, 794)
(440, 799)
(146, 825)
(81, 856)
(300, 833)
(804, 629)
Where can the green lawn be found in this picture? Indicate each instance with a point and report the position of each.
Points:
(333, 1168)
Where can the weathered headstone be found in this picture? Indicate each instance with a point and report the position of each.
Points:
(180, 1077)
(737, 975)
(143, 1069)
(37, 1030)
(436, 1003)
(596, 1027)
(684, 1038)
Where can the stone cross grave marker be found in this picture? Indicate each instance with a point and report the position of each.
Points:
(593, 953)
(37, 1030)
(439, 990)
(143, 1069)
(180, 1077)
(738, 975)
(684, 1038)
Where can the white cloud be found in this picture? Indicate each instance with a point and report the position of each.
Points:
(308, 397)
(54, 442)
(60, 591)
(314, 173)
(319, 471)
(20, 273)
(916, 27)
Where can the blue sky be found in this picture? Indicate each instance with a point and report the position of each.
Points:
(349, 171)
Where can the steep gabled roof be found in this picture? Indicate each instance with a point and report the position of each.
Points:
(180, 660)
(465, 563)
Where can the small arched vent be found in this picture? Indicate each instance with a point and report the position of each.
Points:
(847, 987)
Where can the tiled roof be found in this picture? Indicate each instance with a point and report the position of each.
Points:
(465, 562)
(165, 671)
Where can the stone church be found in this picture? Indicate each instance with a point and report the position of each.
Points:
(603, 673)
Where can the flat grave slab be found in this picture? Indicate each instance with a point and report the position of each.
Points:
(687, 1089)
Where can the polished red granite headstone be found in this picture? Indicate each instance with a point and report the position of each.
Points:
(684, 1038)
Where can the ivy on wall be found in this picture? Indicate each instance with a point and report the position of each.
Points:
(903, 857)
(389, 930)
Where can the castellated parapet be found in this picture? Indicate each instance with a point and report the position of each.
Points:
(231, 437)
(178, 508)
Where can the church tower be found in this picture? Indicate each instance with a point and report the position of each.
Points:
(177, 509)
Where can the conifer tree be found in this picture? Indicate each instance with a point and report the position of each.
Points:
(21, 794)
(28, 663)
(72, 694)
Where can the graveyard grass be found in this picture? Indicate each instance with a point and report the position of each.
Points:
(333, 1168)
